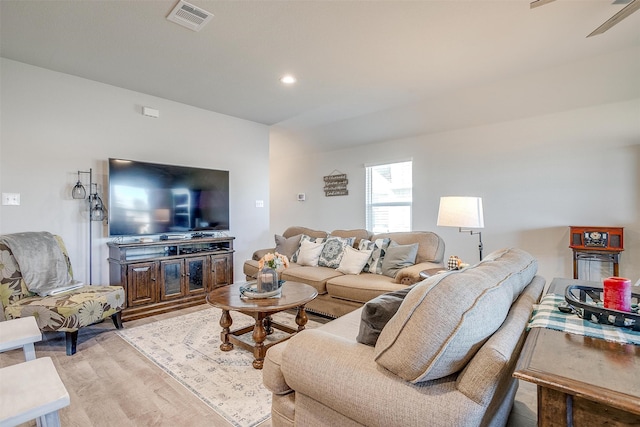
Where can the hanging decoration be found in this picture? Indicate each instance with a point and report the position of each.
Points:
(335, 184)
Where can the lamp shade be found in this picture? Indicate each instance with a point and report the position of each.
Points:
(464, 212)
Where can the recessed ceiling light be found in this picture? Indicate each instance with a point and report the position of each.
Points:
(287, 79)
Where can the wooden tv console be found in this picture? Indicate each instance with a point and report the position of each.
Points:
(165, 275)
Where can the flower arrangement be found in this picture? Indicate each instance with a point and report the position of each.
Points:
(275, 261)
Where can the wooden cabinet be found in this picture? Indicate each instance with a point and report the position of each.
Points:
(167, 275)
(141, 286)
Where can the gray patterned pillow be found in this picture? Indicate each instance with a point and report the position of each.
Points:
(379, 247)
(333, 251)
(304, 237)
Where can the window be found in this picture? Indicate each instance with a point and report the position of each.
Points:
(389, 197)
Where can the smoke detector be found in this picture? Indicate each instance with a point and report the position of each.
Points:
(189, 16)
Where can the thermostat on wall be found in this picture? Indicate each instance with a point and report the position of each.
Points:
(301, 197)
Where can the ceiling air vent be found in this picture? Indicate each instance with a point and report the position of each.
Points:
(189, 16)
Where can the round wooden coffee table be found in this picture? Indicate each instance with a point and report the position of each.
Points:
(228, 298)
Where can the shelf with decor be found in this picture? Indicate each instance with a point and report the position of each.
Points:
(166, 275)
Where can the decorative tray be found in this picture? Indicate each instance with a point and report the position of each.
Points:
(588, 303)
(250, 290)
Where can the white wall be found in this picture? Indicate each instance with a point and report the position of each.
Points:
(53, 125)
(537, 176)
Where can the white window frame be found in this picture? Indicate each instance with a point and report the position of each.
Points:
(375, 199)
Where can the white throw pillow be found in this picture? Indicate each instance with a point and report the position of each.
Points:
(309, 253)
(353, 260)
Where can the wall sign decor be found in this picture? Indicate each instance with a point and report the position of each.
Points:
(335, 184)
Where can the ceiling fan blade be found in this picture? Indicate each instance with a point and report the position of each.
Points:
(537, 3)
(626, 11)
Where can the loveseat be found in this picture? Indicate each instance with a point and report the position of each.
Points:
(445, 357)
(339, 292)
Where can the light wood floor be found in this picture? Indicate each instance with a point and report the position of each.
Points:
(112, 384)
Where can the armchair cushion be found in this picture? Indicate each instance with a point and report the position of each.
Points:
(72, 310)
(433, 335)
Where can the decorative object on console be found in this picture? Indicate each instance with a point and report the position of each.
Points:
(464, 213)
(601, 245)
(97, 211)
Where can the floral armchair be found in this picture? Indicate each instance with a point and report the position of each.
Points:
(66, 312)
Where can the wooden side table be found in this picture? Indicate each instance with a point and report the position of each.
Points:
(581, 381)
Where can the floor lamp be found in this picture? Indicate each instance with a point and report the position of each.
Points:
(97, 211)
(464, 213)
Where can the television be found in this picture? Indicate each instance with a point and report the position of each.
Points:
(149, 198)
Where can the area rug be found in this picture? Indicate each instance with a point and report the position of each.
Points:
(188, 348)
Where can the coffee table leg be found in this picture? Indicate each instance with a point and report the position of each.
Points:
(267, 325)
(259, 335)
(301, 318)
(225, 322)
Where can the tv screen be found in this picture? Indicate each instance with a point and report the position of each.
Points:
(149, 198)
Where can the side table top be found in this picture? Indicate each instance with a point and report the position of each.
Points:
(294, 294)
(596, 369)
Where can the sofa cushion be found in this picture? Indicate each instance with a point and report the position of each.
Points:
(397, 257)
(431, 247)
(445, 319)
(305, 238)
(309, 253)
(333, 250)
(353, 261)
(361, 288)
(358, 234)
(313, 276)
(378, 248)
(296, 230)
(377, 312)
(287, 246)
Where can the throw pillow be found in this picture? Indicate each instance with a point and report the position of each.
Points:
(377, 312)
(353, 260)
(333, 250)
(443, 322)
(397, 257)
(309, 253)
(289, 246)
(304, 237)
(378, 248)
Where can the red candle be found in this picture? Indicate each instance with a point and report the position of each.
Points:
(617, 293)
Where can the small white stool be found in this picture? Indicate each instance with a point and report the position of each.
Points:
(31, 390)
(21, 332)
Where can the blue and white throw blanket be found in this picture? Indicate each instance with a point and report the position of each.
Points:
(547, 315)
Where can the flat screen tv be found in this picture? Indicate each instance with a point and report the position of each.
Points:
(150, 198)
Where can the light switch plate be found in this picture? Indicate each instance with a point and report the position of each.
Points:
(259, 203)
(11, 199)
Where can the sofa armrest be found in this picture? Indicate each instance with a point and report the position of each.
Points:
(410, 275)
(272, 372)
(262, 252)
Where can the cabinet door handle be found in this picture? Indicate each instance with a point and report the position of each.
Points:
(153, 279)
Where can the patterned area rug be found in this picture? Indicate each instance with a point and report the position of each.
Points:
(188, 348)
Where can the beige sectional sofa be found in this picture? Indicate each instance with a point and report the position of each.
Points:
(340, 293)
(445, 358)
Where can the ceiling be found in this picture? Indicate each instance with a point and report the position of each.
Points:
(366, 70)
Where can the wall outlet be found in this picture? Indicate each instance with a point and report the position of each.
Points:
(11, 199)
(259, 203)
